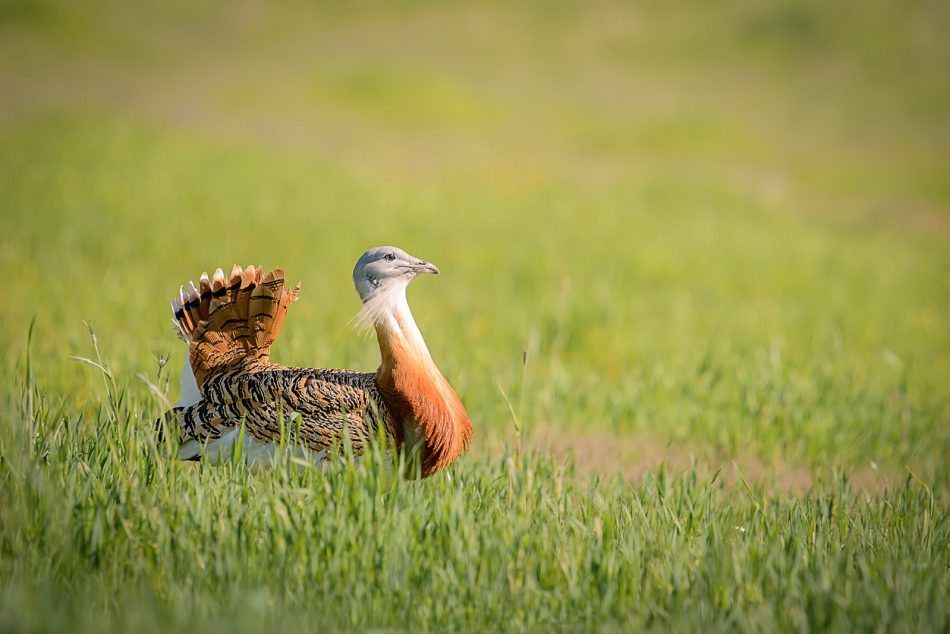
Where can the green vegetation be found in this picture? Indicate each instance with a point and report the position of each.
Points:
(719, 234)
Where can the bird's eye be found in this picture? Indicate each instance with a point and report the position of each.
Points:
(390, 257)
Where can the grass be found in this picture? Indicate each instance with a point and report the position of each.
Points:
(717, 240)
(501, 544)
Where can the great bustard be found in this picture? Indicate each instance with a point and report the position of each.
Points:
(230, 324)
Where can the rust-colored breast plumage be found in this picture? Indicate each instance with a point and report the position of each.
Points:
(424, 403)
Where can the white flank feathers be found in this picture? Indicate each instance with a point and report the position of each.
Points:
(190, 394)
(254, 451)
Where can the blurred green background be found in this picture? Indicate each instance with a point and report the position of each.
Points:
(717, 229)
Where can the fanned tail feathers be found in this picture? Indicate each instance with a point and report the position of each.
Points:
(230, 323)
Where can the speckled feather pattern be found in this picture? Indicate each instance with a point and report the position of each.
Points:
(330, 403)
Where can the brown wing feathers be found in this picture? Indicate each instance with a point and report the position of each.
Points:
(230, 323)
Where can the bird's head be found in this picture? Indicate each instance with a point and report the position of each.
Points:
(386, 268)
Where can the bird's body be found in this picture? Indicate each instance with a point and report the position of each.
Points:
(269, 401)
(237, 393)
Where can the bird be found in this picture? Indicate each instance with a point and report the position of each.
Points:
(235, 398)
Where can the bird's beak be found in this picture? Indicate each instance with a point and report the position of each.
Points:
(425, 267)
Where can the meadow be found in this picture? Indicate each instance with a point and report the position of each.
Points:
(694, 296)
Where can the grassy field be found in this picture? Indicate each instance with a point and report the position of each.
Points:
(720, 237)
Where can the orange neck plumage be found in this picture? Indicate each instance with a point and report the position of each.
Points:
(417, 393)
